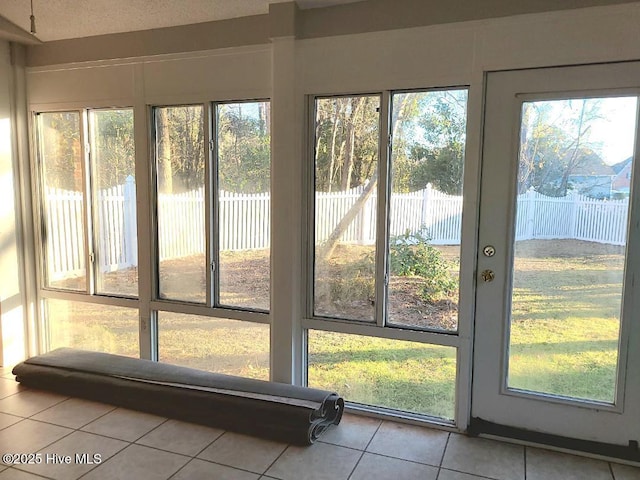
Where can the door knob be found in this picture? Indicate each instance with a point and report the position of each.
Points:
(488, 275)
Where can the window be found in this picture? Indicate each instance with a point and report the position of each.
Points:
(215, 344)
(180, 168)
(86, 164)
(213, 243)
(63, 200)
(422, 221)
(213, 237)
(387, 218)
(243, 161)
(346, 172)
(91, 326)
(409, 376)
(425, 208)
(86, 167)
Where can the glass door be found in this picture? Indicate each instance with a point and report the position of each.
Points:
(556, 344)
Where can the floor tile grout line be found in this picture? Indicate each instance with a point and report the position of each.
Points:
(229, 466)
(48, 422)
(196, 456)
(613, 475)
(381, 454)
(109, 437)
(149, 431)
(68, 435)
(81, 429)
(14, 393)
(108, 459)
(444, 450)
(342, 446)
(114, 454)
(135, 442)
(483, 477)
(326, 442)
(276, 459)
(394, 458)
(12, 415)
(182, 467)
(71, 431)
(356, 465)
(373, 436)
(30, 473)
(209, 444)
(45, 409)
(39, 411)
(98, 417)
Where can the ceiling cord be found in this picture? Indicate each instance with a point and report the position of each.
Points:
(33, 20)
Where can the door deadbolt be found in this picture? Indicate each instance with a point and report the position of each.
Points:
(489, 251)
(488, 275)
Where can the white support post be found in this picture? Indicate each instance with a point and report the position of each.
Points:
(287, 289)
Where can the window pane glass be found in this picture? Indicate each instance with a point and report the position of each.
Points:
(346, 173)
(409, 376)
(113, 183)
(214, 344)
(62, 200)
(244, 203)
(572, 211)
(180, 161)
(429, 131)
(89, 326)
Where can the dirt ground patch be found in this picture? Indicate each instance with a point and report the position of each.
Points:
(244, 281)
(344, 288)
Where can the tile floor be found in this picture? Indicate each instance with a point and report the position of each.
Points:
(138, 446)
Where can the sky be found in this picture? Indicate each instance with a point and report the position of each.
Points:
(617, 130)
(614, 131)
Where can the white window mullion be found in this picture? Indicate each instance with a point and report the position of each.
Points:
(211, 204)
(382, 224)
(88, 203)
(146, 224)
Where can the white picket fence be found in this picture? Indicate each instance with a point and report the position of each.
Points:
(245, 222)
(571, 217)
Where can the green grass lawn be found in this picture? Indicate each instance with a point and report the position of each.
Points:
(565, 319)
(564, 336)
(397, 374)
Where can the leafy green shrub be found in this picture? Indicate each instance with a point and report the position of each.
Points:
(411, 254)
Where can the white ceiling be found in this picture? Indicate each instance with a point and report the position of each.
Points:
(60, 19)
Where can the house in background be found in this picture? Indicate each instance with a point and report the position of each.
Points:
(170, 98)
(621, 183)
(593, 179)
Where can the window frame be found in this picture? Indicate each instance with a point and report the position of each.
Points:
(212, 307)
(383, 217)
(89, 209)
(380, 327)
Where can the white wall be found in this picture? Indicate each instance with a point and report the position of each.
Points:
(456, 54)
(227, 74)
(12, 318)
